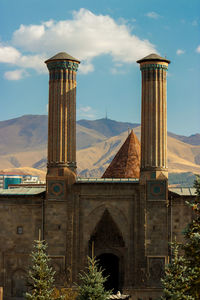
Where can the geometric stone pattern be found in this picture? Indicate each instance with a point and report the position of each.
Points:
(56, 188)
(156, 189)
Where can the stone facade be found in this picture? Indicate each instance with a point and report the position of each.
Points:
(21, 217)
(114, 217)
(127, 223)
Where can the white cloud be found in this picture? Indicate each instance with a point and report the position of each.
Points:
(15, 75)
(85, 36)
(35, 62)
(133, 20)
(86, 67)
(198, 49)
(8, 54)
(86, 112)
(152, 15)
(12, 56)
(180, 51)
(118, 69)
(195, 23)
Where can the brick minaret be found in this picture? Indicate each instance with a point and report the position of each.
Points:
(153, 170)
(154, 117)
(62, 113)
(61, 164)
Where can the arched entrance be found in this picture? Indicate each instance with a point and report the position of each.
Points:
(110, 265)
(107, 244)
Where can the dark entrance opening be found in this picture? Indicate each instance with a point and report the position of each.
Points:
(110, 264)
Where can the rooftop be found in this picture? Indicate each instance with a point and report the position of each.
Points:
(23, 191)
(126, 163)
(153, 57)
(107, 180)
(62, 56)
(183, 191)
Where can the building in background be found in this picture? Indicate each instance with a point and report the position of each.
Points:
(11, 179)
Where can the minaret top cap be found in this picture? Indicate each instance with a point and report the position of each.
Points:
(62, 56)
(153, 57)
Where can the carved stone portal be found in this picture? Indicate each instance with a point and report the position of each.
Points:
(106, 234)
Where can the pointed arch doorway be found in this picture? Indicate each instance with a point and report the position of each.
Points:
(110, 266)
(107, 244)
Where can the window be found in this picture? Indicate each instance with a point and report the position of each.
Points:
(19, 230)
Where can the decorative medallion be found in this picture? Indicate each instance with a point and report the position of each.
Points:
(56, 188)
(156, 189)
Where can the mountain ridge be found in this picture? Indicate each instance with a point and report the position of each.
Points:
(23, 143)
(29, 125)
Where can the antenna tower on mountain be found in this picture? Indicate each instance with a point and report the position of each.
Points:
(106, 115)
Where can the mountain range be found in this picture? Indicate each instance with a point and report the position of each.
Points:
(23, 143)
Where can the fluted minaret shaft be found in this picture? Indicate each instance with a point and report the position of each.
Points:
(154, 114)
(62, 111)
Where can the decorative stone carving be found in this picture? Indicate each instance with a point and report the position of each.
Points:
(156, 270)
(153, 66)
(156, 189)
(106, 233)
(69, 65)
(56, 188)
(142, 277)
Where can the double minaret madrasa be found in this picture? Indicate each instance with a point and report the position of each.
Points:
(62, 116)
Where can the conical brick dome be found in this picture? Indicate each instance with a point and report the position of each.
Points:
(126, 163)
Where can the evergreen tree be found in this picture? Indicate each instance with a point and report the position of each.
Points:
(40, 275)
(192, 246)
(65, 293)
(92, 283)
(182, 276)
(176, 282)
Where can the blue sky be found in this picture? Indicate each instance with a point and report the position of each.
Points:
(108, 36)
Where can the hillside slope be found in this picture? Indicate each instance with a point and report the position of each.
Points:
(94, 160)
(23, 143)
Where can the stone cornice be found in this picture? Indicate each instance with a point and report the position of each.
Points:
(153, 67)
(62, 65)
(61, 164)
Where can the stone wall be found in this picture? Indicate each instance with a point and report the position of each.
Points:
(21, 218)
(113, 218)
